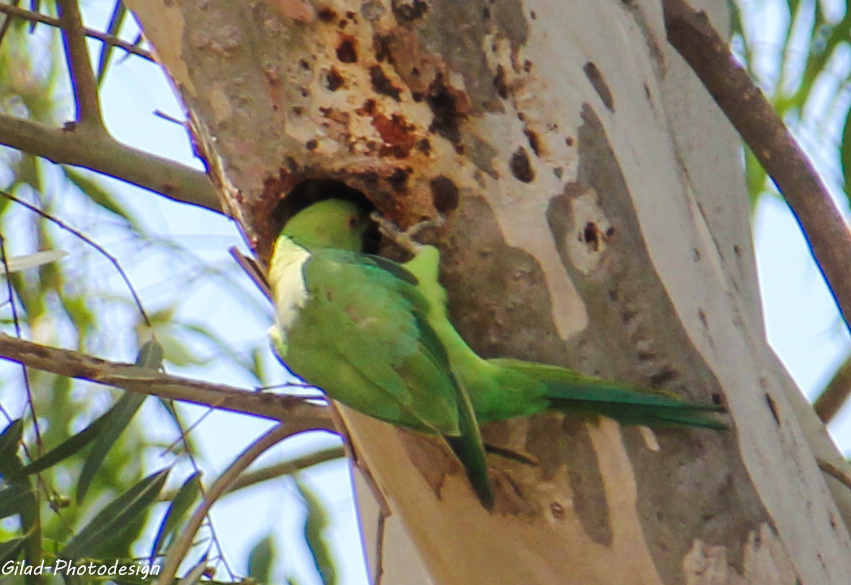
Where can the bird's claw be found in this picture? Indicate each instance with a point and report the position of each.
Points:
(405, 238)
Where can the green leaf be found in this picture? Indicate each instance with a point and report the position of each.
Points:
(314, 528)
(15, 499)
(113, 423)
(118, 14)
(10, 549)
(65, 449)
(117, 418)
(150, 355)
(10, 439)
(261, 560)
(177, 352)
(92, 189)
(845, 153)
(186, 495)
(115, 518)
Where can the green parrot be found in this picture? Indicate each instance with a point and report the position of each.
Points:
(356, 326)
(374, 335)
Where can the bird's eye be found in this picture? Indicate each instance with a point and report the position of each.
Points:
(352, 221)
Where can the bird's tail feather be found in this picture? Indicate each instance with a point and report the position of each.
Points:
(573, 392)
(470, 450)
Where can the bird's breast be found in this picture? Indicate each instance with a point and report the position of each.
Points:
(287, 279)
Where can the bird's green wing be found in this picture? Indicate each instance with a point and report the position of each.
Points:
(362, 337)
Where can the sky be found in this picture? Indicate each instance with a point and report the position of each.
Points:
(802, 326)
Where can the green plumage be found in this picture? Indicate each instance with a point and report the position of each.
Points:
(507, 388)
(374, 335)
(361, 334)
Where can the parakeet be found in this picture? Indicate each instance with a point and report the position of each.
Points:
(508, 388)
(374, 335)
(356, 327)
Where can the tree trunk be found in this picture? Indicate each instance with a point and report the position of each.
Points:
(597, 219)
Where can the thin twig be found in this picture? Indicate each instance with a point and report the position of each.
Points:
(79, 65)
(691, 33)
(106, 39)
(132, 378)
(220, 486)
(100, 152)
(112, 259)
(834, 395)
(184, 438)
(275, 470)
(834, 472)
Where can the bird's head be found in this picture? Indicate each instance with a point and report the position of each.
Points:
(331, 223)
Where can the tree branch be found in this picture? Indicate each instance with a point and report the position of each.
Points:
(275, 470)
(63, 362)
(835, 393)
(691, 33)
(106, 39)
(79, 65)
(87, 143)
(100, 152)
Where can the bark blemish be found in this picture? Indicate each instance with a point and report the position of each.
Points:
(326, 14)
(347, 51)
(443, 103)
(499, 82)
(534, 140)
(588, 230)
(398, 136)
(772, 406)
(592, 72)
(333, 80)
(444, 194)
(407, 11)
(521, 167)
(382, 84)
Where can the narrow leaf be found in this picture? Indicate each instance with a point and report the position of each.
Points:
(66, 448)
(113, 520)
(10, 549)
(114, 422)
(116, 419)
(845, 154)
(261, 560)
(93, 190)
(118, 13)
(10, 439)
(150, 355)
(186, 495)
(314, 529)
(18, 263)
(15, 498)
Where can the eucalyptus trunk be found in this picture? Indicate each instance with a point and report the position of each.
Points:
(597, 219)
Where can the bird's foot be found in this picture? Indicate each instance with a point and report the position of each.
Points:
(405, 238)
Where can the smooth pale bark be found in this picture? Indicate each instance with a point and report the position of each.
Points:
(598, 219)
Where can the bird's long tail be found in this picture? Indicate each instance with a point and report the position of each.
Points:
(470, 450)
(572, 392)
